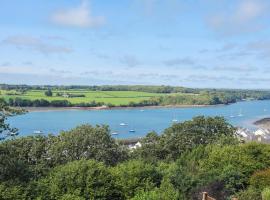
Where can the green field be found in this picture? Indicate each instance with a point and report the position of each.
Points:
(113, 97)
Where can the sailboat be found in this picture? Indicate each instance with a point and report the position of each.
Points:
(132, 130)
(240, 113)
(174, 119)
(232, 116)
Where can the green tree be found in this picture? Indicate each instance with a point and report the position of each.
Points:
(198, 131)
(233, 165)
(87, 179)
(134, 176)
(23, 159)
(48, 93)
(151, 149)
(185, 136)
(166, 191)
(86, 142)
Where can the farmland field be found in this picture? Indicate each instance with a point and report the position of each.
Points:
(113, 97)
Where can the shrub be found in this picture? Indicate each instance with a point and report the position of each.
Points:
(260, 179)
(266, 194)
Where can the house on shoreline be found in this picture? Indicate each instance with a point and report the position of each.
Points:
(259, 135)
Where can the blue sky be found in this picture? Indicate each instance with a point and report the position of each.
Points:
(193, 43)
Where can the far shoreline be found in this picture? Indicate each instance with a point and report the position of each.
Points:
(45, 109)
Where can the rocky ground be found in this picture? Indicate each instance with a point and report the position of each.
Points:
(263, 123)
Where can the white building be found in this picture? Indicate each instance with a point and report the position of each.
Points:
(135, 146)
(245, 133)
(262, 135)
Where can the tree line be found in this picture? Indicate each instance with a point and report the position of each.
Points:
(20, 102)
(174, 95)
(244, 93)
(204, 98)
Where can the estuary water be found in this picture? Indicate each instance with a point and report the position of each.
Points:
(140, 120)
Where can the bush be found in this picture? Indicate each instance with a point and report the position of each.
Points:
(86, 142)
(48, 93)
(266, 194)
(249, 194)
(233, 165)
(87, 179)
(8, 192)
(260, 179)
(166, 191)
(134, 176)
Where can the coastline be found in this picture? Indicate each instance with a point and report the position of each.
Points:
(263, 123)
(44, 109)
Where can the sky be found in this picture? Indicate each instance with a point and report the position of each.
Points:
(191, 43)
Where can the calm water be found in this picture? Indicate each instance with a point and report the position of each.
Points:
(142, 121)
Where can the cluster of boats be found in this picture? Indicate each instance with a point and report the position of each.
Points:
(240, 114)
(124, 124)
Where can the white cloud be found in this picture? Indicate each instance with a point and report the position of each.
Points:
(19, 69)
(244, 17)
(261, 48)
(180, 62)
(130, 60)
(36, 44)
(79, 16)
(248, 10)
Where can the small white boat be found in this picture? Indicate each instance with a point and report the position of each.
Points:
(132, 131)
(37, 132)
(14, 133)
(142, 110)
(123, 124)
(114, 133)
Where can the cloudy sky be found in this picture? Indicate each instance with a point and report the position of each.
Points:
(194, 43)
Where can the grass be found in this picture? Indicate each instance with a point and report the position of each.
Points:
(114, 97)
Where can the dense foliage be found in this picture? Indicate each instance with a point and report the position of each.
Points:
(202, 154)
(19, 102)
(48, 93)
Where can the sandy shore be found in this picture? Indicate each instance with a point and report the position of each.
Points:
(37, 109)
(263, 123)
